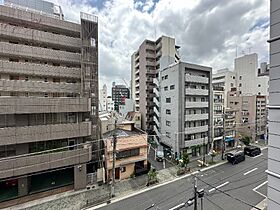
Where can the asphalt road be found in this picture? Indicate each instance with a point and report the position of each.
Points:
(156, 164)
(243, 183)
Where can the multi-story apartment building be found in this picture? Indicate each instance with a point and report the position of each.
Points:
(218, 116)
(103, 99)
(226, 79)
(119, 94)
(251, 117)
(146, 64)
(48, 100)
(186, 108)
(273, 192)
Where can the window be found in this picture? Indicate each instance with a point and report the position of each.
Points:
(166, 77)
(14, 77)
(259, 85)
(172, 87)
(233, 77)
(128, 153)
(240, 85)
(202, 99)
(231, 84)
(168, 123)
(240, 77)
(46, 79)
(26, 78)
(203, 87)
(194, 99)
(168, 100)
(168, 111)
(166, 88)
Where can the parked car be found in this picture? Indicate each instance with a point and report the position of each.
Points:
(252, 151)
(235, 157)
(159, 154)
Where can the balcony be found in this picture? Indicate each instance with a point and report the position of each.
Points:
(38, 53)
(26, 164)
(35, 86)
(196, 104)
(156, 92)
(201, 92)
(200, 141)
(34, 35)
(28, 18)
(155, 81)
(156, 111)
(28, 105)
(40, 70)
(196, 79)
(26, 134)
(193, 117)
(199, 129)
(151, 63)
(156, 121)
(156, 101)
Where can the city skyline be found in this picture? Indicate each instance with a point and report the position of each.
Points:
(126, 23)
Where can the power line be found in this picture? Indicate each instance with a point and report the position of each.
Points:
(219, 207)
(229, 195)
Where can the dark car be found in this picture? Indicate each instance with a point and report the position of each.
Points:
(252, 151)
(235, 157)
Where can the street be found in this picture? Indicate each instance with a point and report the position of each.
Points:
(243, 186)
(156, 164)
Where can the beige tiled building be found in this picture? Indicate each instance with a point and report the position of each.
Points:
(48, 100)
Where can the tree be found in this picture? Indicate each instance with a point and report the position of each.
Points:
(246, 140)
(185, 159)
(152, 176)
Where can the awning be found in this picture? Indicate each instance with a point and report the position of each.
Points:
(227, 139)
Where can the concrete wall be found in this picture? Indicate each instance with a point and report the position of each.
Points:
(274, 110)
(33, 163)
(26, 134)
(10, 105)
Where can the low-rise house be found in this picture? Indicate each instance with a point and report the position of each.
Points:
(131, 151)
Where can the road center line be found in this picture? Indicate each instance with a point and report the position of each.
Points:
(250, 171)
(221, 185)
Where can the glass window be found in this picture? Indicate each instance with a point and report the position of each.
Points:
(168, 123)
(172, 87)
(168, 100)
(168, 111)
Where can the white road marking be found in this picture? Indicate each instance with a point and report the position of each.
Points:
(250, 171)
(176, 207)
(258, 156)
(221, 185)
(257, 187)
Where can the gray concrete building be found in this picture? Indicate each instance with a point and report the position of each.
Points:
(146, 64)
(186, 108)
(119, 94)
(273, 171)
(48, 101)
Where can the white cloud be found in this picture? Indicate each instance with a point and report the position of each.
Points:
(207, 30)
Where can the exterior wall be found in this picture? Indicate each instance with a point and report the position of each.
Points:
(274, 109)
(176, 126)
(103, 99)
(132, 73)
(128, 106)
(48, 95)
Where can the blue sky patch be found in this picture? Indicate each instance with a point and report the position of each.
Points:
(261, 23)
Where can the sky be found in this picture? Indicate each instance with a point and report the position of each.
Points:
(210, 32)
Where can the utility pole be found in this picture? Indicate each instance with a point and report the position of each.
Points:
(114, 162)
(195, 193)
(224, 134)
(204, 150)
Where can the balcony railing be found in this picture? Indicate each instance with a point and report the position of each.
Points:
(31, 163)
(197, 79)
(193, 117)
(27, 134)
(196, 104)
(199, 129)
(202, 92)
(22, 105)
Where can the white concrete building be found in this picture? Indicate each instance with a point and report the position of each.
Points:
(186, 111)
(110, 104)
(103, 99)
(248, 81)
(273, 192)
(128, 106)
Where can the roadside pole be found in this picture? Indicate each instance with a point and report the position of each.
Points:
(224, 134)
(195, 193)
(114, 166)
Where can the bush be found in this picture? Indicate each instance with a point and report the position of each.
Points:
(246, 140)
